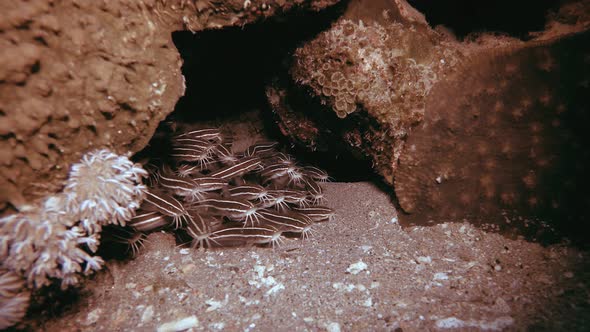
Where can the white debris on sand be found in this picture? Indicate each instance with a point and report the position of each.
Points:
(214, 305)
(357, 267)
(93, 317)
(179, 325)
(333, 327)
(456, 323)
(259, 280)
(148, 314)
(440, 276)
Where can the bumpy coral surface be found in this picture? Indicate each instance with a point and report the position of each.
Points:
(381, 69)
(367, 64)
(510, 145)
(76, 76)
(485, 128)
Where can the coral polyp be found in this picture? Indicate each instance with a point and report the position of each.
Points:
(104, 186)
(55, 239)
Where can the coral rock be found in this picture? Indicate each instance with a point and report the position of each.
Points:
(374, 69)
(509, 144)
(459, 129)
(76, 76)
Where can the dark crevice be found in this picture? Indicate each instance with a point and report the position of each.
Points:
(465, 17)
(227, 72)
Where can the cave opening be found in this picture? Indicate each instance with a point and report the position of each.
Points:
(515, 18)
(226, 73)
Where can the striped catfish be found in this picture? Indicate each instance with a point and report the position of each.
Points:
(166, 205)
(276, 198)
(199, 226)
(131, 239)
(202, 146)
(192, 154)
(316, 174)
(148, 221)
(273, 172)
(237, 235)
(283, 158)
(242, 166)
(184, 187)
(188, 170)
(250, 192)
(260, 148)
(210, 183)
(317, 213)
(316, 194)
(287, 221)
(225, 155)
(234, 209)
(208, 134)
(199, 144)
(297, 197)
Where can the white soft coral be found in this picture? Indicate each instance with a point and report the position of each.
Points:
(55, 239)
(104, 188)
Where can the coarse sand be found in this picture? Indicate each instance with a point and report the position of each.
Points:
(362, 271)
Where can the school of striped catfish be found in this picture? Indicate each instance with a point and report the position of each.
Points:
(212, 196)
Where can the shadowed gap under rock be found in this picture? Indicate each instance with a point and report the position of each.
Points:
(464, 17)
(226, 73)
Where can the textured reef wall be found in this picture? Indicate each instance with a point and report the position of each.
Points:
(378, 70)
(486, 128)
(75, 76)
(509, 143)
(80, 75)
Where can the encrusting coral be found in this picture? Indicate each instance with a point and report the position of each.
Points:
(56, 239)
(374, 75)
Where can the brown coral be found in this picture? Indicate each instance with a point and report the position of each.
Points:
(508, 146)
(480, 129)
(378, 70)
(81, 75)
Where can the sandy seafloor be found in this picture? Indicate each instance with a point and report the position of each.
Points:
(359, 272)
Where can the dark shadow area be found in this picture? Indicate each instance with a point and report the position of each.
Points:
(463, 17)
(226, 70)
(51, 301)
(226, 73)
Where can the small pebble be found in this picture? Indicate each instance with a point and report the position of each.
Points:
(148, 314)
(357, 267)
(440, 276)
(179, 325)
(93, 317)
(333, 327)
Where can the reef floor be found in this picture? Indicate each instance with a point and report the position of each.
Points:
(361, 271)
